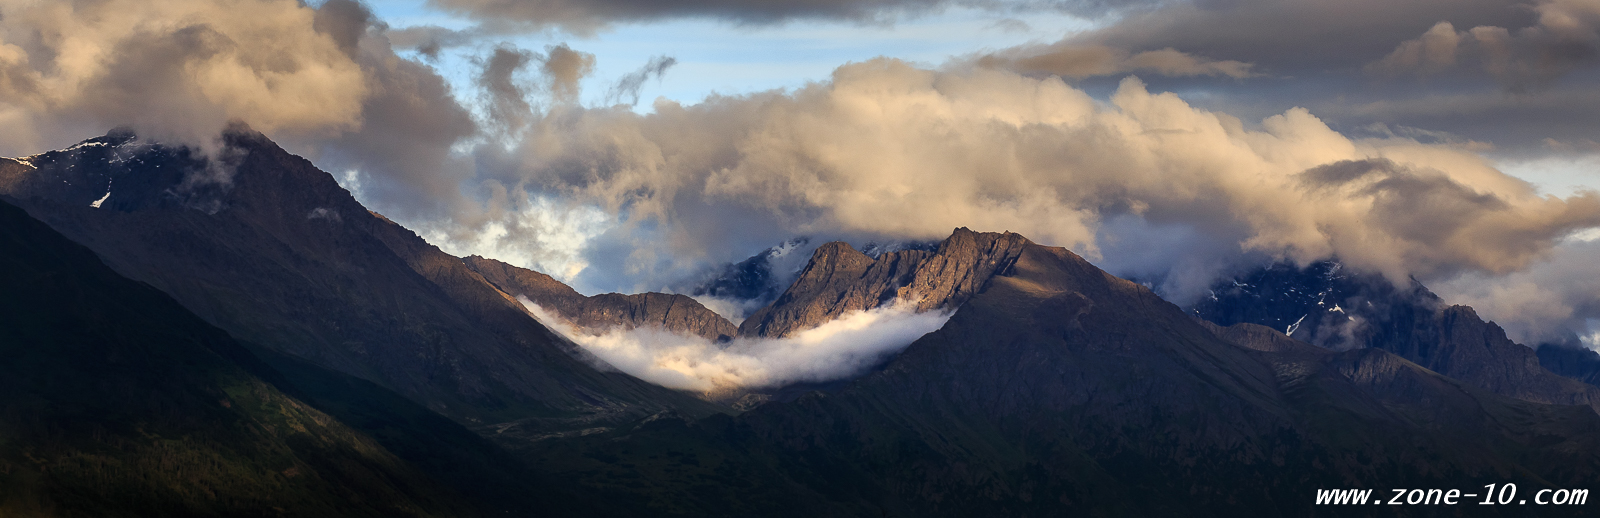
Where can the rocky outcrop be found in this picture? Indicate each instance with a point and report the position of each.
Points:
(673, 312)
(1329, 306)
(839, 280)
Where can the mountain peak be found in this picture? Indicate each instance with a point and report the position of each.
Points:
(839, 280)
(1342, 309)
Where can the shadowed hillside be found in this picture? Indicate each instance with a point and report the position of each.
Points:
(118, 402)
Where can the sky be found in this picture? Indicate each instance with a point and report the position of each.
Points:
(729, 58)
(631, 145)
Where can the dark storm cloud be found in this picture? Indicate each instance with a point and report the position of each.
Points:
(586, 16)
(345, 21)
(1509, 74)
(1298, 37)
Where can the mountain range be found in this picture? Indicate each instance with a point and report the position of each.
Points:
(176, 320)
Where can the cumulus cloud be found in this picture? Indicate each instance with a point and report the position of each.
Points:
(410, 122)
(839, 349)
(1434, 51)
(886, 151)
(323, 81)
(178, 70)
(563, 68)
(1565, 37)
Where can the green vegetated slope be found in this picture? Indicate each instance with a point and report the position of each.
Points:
(1059, 388)
(115, 401)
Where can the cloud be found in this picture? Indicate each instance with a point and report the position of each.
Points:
(430, 40)
(563, 68)
(322, 81)
(1554, 300)
(629, 85)
(411, 121)
(839, 349)
(1080, 61)
(1434, 51)
(584, 17)
(1297, 37)
(1507, 61)
(179, 70)
(504, 97)
(1566, 36)
(887, 151)
(1011, 25)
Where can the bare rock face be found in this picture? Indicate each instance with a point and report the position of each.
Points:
(840, 280)
(608, 310)
(1338, 309)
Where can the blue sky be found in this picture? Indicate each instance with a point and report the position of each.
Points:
(721, 57)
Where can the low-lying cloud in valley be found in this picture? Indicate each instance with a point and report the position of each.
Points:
(839, 349)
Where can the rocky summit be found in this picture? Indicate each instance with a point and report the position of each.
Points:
(235, 332)
(1327, 305)
(840, 280)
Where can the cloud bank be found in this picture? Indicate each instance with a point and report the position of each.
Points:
(1509, 72)
(839, 349)
(888, 150)
(1146, 183)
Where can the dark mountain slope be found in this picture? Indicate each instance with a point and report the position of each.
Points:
(116, 401)
(1059, 389)
(264, 245)
(608, 310)
(1573, 362)
(1329, 306)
